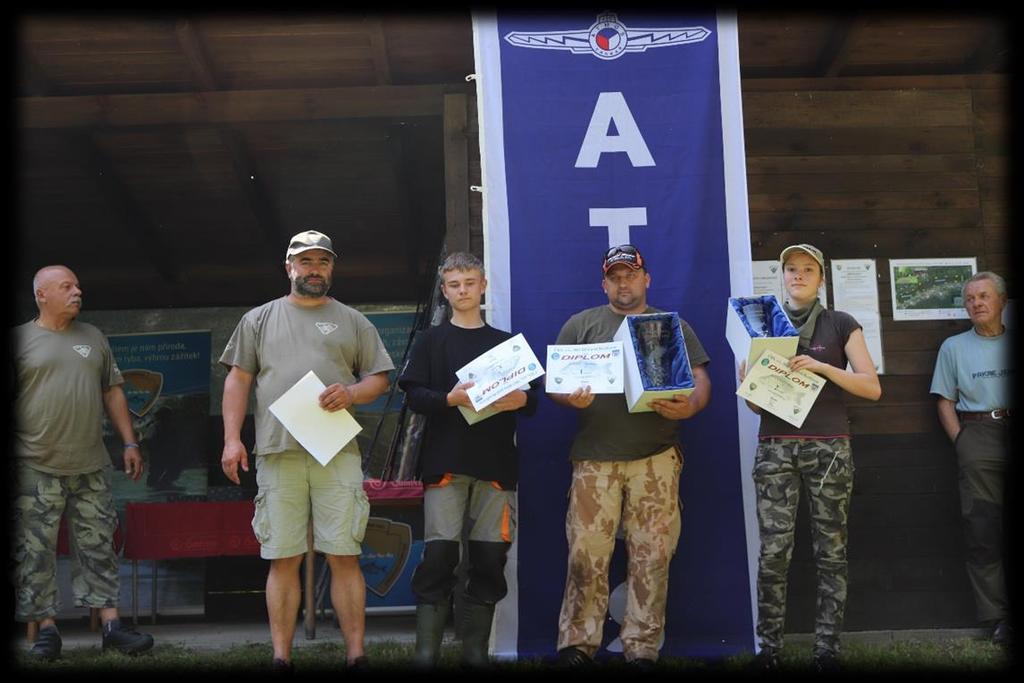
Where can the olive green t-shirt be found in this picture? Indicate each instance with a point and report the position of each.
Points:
(607, 430)
(62, 376)
(279, 342)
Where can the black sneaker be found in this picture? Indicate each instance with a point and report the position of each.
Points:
(767, 660)
(826, 662)
(1002, 634)
(643, 664)
(360, 663)
(47, 645)
(572, 657)
(124, 640)
(279, 666)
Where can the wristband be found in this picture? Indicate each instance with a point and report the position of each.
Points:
(131, 445)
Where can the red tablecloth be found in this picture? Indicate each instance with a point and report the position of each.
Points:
(158, 531)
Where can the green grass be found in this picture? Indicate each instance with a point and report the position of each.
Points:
(956, 655)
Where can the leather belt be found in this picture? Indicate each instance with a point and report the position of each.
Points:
(997, 414)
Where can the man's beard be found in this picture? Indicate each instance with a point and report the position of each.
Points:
(302, 287)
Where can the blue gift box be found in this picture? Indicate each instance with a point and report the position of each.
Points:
(756, 323)
(643, 381)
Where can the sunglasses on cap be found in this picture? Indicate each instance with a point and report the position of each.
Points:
(623, 253)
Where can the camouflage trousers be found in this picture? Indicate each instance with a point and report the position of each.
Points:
(824, 468)
(86, 502)
(644, 494)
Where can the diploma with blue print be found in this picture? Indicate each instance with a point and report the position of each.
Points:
(771, 385)
(574, 366)
(500, 371)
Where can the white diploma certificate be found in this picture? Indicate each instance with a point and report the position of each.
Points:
(788, 394)
(500, 371)
(320, 432)
(573, 366)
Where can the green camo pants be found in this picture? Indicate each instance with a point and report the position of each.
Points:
(85, 500)
(824, 468)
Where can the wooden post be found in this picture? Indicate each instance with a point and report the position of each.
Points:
(456, 173)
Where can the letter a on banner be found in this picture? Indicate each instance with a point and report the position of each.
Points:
(616, 121)
(611, 107)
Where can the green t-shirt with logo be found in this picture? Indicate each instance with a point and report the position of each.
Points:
(279, 342)
(607, 430)
(62, 376)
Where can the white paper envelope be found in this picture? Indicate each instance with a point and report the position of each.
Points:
(500, 371)
(573, 366)
(320, 432)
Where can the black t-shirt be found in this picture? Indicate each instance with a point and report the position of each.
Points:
(828, 414)
(485, 450)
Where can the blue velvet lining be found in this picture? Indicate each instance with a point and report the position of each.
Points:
(774, 322)
(675, 359)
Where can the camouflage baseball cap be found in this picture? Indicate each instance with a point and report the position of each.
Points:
(310, 239)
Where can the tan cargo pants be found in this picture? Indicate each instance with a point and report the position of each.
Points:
(645, 495)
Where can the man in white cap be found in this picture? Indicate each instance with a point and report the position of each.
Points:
(274, 346)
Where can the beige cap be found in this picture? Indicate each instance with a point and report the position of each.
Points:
(809, 249)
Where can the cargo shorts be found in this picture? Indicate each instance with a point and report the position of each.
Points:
(293, 487)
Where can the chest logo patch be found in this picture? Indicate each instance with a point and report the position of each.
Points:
(82, 349)
(326, 328)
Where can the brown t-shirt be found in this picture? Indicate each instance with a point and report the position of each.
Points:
(828, 414)
(62, 376)
(607, 430)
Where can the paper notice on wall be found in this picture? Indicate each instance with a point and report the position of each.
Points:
(855, 291)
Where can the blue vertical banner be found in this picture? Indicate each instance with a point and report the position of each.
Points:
(600, 128)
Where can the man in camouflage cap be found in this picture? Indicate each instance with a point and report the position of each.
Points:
(66, 377)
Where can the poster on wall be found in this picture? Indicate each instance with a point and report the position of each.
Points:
(380, 419)
(167, 384)
(929, 289)
(855, 291)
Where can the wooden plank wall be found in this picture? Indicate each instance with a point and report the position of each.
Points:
(884, 167)
(887, 168)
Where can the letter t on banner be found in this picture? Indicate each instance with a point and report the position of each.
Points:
(618, 222)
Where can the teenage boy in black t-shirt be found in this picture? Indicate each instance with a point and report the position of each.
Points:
(464, 467)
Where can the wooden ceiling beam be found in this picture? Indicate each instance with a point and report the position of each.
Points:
(378, 49)
(989, 50)
(832, 56)
(235, 106)
(195, 54)
(257, 194)
(135, 223)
